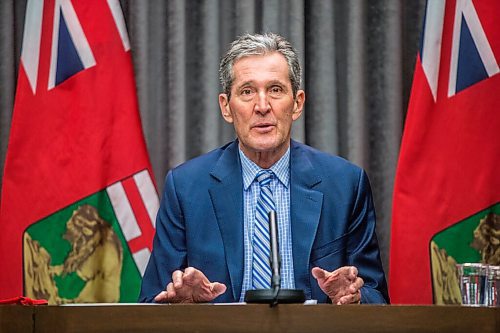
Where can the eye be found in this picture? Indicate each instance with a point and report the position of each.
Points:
(276, 90)
(247, 91)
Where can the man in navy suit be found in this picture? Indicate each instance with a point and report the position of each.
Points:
(204, 243)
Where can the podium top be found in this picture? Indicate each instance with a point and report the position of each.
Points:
(248, 318)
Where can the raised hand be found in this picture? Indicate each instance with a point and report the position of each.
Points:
(190, 286)
(342, 285)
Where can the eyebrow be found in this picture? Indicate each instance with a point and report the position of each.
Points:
(246, 83)
(269, 84)
(277, 82)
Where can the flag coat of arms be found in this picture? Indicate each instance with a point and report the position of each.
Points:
(78, 197)
(446, 207)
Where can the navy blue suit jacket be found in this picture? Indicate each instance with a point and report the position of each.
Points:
(200, 223)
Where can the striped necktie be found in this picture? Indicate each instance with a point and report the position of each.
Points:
(261, 240)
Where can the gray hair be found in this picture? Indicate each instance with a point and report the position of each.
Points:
(249, 45)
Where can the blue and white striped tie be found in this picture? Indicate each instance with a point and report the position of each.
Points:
(261, 239)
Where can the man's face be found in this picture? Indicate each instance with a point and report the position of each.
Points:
(262, 107)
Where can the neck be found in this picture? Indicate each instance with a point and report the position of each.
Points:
(265, 159)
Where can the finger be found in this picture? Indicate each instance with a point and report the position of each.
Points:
(190, 271)
(348, 272)
(353, 272)
(356, 286)
(170, 289)
(193, 276)
(344, 270)
(349, 299)
(177, 278)
(170, 293)
(161, 297)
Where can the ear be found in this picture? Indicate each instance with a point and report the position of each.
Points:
(298, 106)
(225, 109)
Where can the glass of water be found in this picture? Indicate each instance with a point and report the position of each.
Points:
(472, 279)
(492, 286)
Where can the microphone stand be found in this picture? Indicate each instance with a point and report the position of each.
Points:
(275, 295)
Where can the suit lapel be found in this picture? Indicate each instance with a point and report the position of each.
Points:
(305, 213)
(227, 200)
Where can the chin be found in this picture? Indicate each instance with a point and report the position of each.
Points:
(262, 146)
(267, 147)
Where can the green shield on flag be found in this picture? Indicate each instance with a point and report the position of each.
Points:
(474, 240)
(80, 255)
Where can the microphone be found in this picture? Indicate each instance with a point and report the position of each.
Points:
(275, 295)
(275, 257)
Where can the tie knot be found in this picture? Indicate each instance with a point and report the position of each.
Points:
(264, 177)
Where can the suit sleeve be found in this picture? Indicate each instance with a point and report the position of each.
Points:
(363, 250)
(169, 244)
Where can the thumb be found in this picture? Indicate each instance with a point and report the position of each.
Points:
(218, 288)
(319, 273)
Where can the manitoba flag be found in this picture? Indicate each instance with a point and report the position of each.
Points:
(447, 189)
(78, 197)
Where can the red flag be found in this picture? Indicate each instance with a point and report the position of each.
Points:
(447, 190)
(78, 200)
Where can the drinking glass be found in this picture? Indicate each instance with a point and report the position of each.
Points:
(492, 286)
(472, 279)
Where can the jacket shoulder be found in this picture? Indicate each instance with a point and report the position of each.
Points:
(326, 162)
(202, 164)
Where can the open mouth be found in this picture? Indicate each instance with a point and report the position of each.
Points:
(263, 128)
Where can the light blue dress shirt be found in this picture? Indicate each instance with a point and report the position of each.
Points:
(280, 186)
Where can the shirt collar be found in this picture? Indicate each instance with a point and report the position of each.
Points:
(250, 169)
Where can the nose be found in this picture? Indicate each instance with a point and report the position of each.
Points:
(262, 104)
